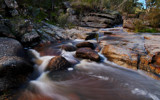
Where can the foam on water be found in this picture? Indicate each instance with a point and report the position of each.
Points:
(138, 91)
(45, 60)
(101, 77)
(69, 56)
(47, 87)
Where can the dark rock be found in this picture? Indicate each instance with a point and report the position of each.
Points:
(21, 26)
(87, 53)
(51, 33)
(45, 37)
(14, 72)
(156, 59)
(107, 33)
(1, 17)
(30, 38)
(14, 12)
(85, 44)
(14, 67)
(10, 47)
(5, 31)
(58, 63)
(11, 4)
(68, 48)
(11, 66)
(91, 35)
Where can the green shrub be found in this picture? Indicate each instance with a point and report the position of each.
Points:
(153, 17)
(152, 30)
(62, 19)
(138, 24)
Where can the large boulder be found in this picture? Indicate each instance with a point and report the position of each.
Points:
(13, 72)
(121, 56)
(14, 67)
(133, 50)
(85, 44)
(10, 47)
(58, 63)
(101, 20)
(30, 38)
(87, 53)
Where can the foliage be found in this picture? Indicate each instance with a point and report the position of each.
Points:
(138, 24)
(152, 4)
(62, 19)
(141, 27)
(129, 6)
(154, 17)
(150, 30)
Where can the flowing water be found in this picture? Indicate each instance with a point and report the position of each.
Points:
(87, 80)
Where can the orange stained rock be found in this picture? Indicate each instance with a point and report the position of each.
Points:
(157, 70)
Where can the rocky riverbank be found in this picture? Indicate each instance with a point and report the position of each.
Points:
(17, 35)
(136, 51)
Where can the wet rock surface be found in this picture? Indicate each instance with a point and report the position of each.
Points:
(68, 47)
(87, 53)
(136, 51)
(58, 63)
(85, 44)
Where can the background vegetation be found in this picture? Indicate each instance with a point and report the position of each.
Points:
(54, 11)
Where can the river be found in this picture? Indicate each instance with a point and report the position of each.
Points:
(87, 80)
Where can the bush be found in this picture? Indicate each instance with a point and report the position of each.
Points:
(153, 17)
(62, 19)
(141, 27)
(138, 25)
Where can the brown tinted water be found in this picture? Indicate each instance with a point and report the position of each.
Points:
(88, 80)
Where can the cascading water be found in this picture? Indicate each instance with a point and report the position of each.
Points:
(89, 80)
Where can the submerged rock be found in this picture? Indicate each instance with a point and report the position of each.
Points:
(68, 48)
(85, 44)
(58, 63)
(91, 35)
(87, 53)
